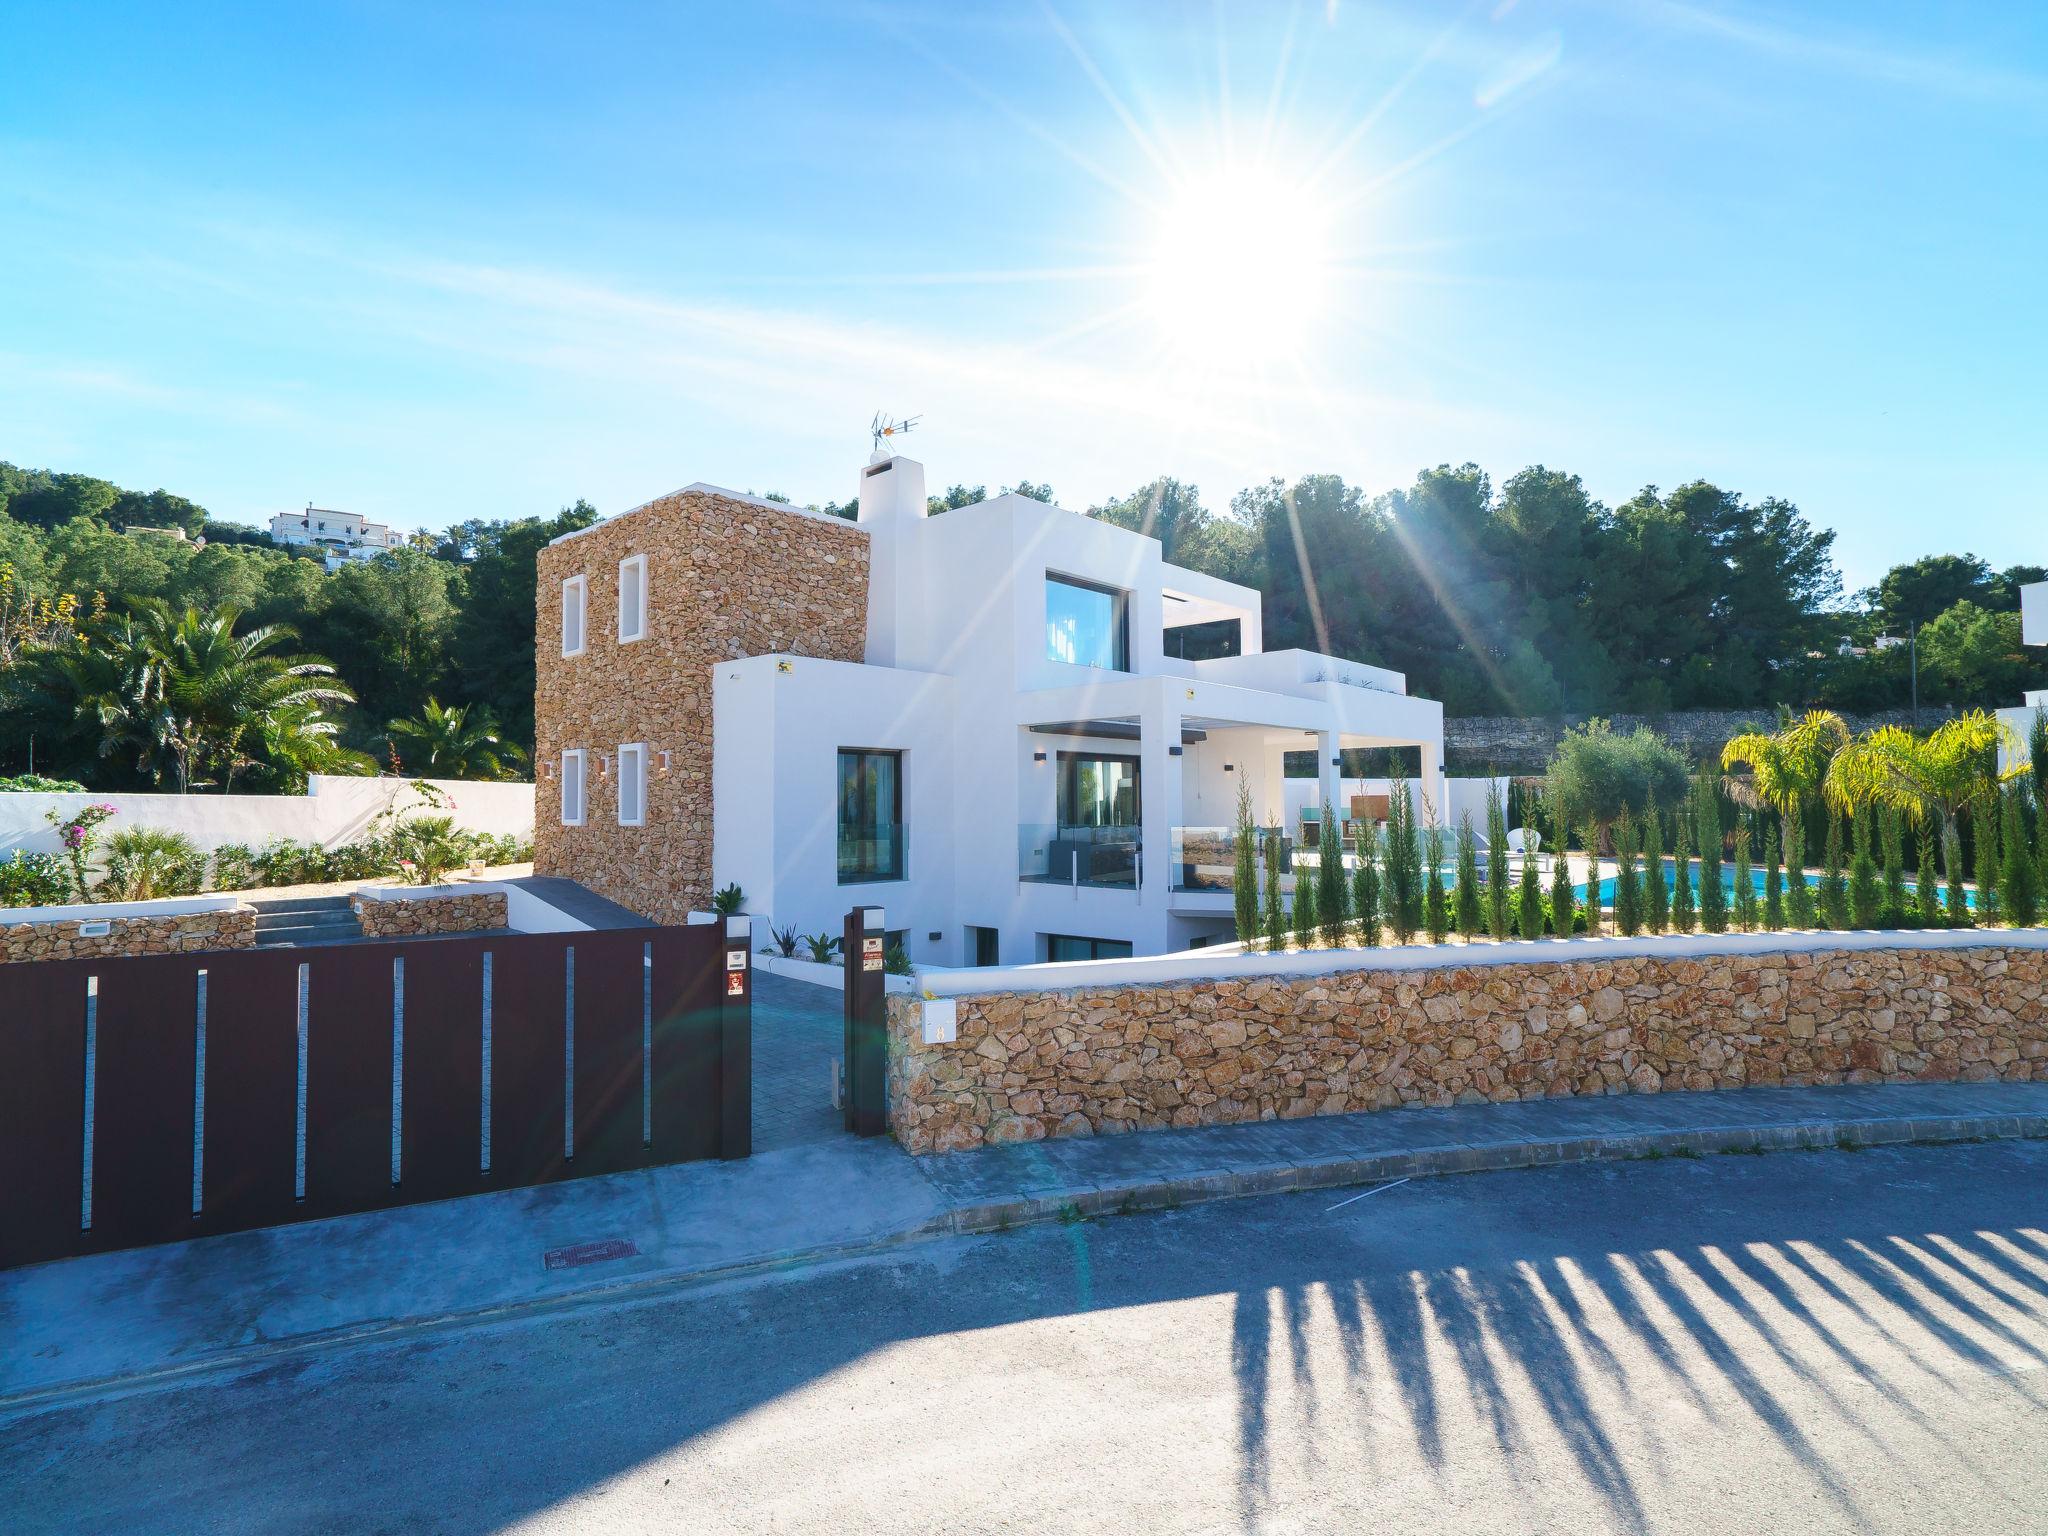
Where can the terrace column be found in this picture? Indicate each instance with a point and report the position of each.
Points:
(1329, 776)
(1159, 794)
(1430, 781)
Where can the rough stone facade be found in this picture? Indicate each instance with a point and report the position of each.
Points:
(467, 912)
(1026, 1066)
(173, 933)
(725, 579)
(1479, 744)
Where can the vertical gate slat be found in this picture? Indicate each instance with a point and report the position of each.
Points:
(688, 988)
(610, 998)
(526, 1059)
(142, 1101)
(348, 1078)
(252, 1079)
(444, 1031)
(42, 1109)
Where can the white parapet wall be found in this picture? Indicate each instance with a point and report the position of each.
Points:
(335, 810)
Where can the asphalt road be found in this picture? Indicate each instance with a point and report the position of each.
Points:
(1801, 1342)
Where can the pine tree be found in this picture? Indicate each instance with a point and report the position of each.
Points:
(1707, 821)
(1866, 891)
(1927, 895)
(1529, 912)
(1563, 903)
(1365, 883)
(2019, 882)
(1684, 913)
(1276, 916)
(1496, 863)
(1798, 894)
(1436, 916)
(1984, 825)
(1656, 894)
(1244, 872)
(1628, 890)
(1834, 889)
(1745, 878)
(1304, 916)
(1593, 898)
(1891, 827)
(1333, 891)
(1774, 880)
(1465, 894)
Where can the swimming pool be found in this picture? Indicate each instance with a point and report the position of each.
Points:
(1756, 877)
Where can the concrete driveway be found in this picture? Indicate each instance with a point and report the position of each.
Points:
(1816, 1342)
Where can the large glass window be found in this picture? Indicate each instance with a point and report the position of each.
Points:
(1086, 624)
(1068, 946)
(1098, 791)
(870, 815)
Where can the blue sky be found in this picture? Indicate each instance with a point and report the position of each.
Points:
(436, 262)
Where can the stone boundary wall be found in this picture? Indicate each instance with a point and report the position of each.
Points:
(170, 934)
(726, 578)
(1025, 1065)
(1525, 744)
(405, 917)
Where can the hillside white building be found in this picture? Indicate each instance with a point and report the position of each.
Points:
(1022, 768)
(339, 536)
(2033, 631)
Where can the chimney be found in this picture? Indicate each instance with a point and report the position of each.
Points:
(892, 509)
(891, 489)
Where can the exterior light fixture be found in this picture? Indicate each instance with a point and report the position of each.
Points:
(1336, 762)
(664, 760)
(1038, 757)
(1173, 751)
(547, 770)
(604, 765)
(1230, 767)
(1191, 693)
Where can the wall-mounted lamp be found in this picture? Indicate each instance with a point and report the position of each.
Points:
(1173, 751)
(604, 765)
(664, 760)
(1038, 757)
(1336, 762)
(1230, 767)
(547, 770)
(1191, 693)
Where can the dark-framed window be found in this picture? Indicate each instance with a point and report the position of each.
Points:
(1068, 946)
(870, 815)
(1098, 789)
(1087, 625)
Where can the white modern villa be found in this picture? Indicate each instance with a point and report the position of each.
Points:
(2033, 631)
(339, 536)
(1007, 744)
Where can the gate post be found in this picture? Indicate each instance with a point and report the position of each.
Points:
(736, 1043)
(863, 946)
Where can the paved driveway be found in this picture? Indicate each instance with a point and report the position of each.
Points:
(1798, 1342)
(798, 1034)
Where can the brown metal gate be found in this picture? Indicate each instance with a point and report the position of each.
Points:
(153, 1098)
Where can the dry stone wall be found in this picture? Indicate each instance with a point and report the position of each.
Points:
(1481, 744)
(403, 918)
(725, 579)
(1025, 1066)
(170, 934)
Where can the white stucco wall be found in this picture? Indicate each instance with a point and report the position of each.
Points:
(335, 810)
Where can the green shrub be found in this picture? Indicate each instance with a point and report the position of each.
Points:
(36, 784)
(34, 880)
(144, 863)
(234, 867)
(1602, 773)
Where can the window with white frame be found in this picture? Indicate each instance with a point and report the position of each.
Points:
(574, 592)
(633, 598)
(633, 784)
(572, 787)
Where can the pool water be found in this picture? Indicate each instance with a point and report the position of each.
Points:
(1756, 878)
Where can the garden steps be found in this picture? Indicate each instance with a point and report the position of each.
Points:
(296, 921)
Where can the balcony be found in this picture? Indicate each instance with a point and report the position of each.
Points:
(1205, 859)
(867, 860)
(1102, 857)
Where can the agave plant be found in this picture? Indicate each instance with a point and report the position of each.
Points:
(824, 947)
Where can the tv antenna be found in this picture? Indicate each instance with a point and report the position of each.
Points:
(885, 426)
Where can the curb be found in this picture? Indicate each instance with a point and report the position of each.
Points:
(1149, 1194)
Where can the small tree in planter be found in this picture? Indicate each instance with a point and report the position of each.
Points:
(1656, 894)
(1866, 892)
(1365, 883)
(1563, 902)
(1496, 863)
(1244, 869)
(1707, 824)
(1465, 891)
(1745, 877)
(1774, 880)
(1684, 913)
(1333, 892)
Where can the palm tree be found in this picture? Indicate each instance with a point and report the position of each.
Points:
(456, 741)
(1786, 767)
(1928, 778)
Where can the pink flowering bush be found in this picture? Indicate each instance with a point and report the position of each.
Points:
(79, 833)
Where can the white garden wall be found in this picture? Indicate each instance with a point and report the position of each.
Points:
(334, 811)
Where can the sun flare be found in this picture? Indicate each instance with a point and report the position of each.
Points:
(1240, 268)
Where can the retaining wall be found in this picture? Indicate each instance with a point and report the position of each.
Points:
(1337, 1032)
(1518, 744)
(179, 926)
(400, 913)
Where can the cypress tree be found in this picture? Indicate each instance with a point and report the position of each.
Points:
(1496, 863)
(1891, 827)
(1244, 873)
(1529, 913)
(1866, 893)
(1401, 884)
(1593, 902)
(1684, 914)
(1465, 894)
(1436, 917)
(1707, 826)
(1563, 904)
(1276, 916)
(1745, 877)
(1333, 891)
(1365, 883)
(1834, 890)
(1628, 892)
(1927, 894)
(1957, 900)
(1656, 894)
(1798, 894)
(2019, 882)
(2041, 830)
(1305, 912)
(1984, 827)
(1774, 880)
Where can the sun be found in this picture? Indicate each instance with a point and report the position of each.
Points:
(1240, 267)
